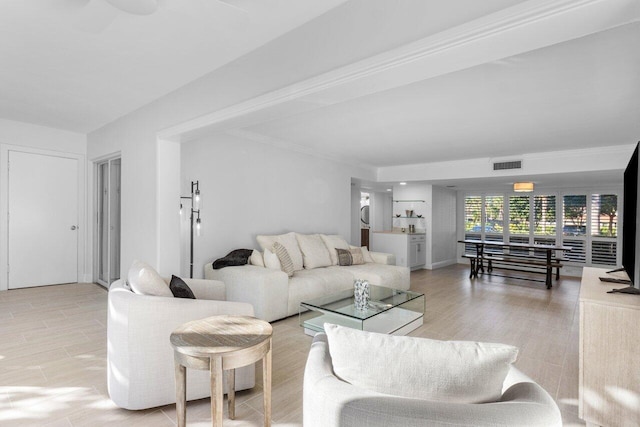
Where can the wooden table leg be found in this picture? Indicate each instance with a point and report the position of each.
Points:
(266, 375)
(217, 379)
(231, 394)
(181, 393)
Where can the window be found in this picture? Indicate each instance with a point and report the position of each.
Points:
(473, 214)
(574, 215)
(588, 223)
(604, 215)
(494, 214)
(544, 215)
(472, 221)
(604, 228)
(519, 207)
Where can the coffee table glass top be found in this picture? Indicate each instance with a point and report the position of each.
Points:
(381, 300)
(390, 311)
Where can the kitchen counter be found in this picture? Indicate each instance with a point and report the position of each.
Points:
(409, 248)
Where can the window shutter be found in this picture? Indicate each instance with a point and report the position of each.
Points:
(604, 229)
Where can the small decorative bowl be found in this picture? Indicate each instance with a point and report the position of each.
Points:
(419, 216)
(397, 215)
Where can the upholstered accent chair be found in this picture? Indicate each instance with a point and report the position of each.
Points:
(332, 402)
(140, 365)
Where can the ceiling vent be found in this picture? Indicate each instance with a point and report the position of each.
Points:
(513, 164)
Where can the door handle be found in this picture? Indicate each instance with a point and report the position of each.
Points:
(73, 227)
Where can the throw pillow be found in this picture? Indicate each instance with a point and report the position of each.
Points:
(357, 257)
(288, 241)
(144, 280)
(256, 258)
(314, 252)
(271, 260)
(420, 368)
(366, 255)
(180, 289)
(334, 242)
(344, 257)
(233, 258)
(283, 256)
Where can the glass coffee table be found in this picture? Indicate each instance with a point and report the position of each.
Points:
(390, 311)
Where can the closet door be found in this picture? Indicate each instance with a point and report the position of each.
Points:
(43, 220)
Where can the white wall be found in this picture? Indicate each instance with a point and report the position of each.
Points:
(444, 237)
(45, 140)
(250, 188)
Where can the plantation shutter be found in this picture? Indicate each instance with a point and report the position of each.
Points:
(604, 229)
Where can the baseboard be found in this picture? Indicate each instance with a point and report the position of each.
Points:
(441, 264)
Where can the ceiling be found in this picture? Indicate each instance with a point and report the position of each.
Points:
(79, 64)
(369, 82)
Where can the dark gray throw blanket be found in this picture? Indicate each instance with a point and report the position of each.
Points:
(236, 257)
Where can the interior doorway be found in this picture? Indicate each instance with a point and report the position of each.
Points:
(107, 253)
(42, 219)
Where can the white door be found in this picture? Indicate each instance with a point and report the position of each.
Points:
(43, 220)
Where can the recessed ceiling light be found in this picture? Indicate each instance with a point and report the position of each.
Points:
(403, 183)
(388, 189)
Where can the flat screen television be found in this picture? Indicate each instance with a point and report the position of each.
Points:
(630, 228)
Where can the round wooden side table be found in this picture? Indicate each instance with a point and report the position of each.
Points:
(221, 343)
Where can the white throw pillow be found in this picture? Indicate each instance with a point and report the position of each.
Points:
(256, 258)
(289, 242)
(365, 253)
(271, 260)
(144, 280)
(334, 242)
(314, 252)
(420, 368)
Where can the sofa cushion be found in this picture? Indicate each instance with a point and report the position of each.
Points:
(288, 241)
(311, 284)
(271, 260)
(256, 258)
(420, 368)
(334, 242)
(283, 256)
(390, 276)
(144, 280)
(314, 252)
(180, 289)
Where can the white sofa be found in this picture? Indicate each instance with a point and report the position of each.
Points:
(275, 296)
(331, 402)
(140, 363)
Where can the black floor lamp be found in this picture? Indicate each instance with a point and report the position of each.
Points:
(195, 209)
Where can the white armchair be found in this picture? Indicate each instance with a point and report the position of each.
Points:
(331, 402)
(140, 365)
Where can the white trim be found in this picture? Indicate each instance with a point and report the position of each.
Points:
(589, 16)
(4, 207)
(445, 263)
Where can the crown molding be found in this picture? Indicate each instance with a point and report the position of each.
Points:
(586, 16)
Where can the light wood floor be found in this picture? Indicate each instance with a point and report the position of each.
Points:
(53, 349)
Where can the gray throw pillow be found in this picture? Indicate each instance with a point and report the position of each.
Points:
(180, 289)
